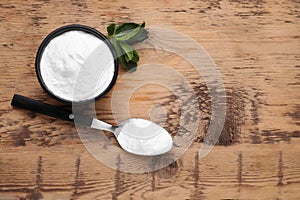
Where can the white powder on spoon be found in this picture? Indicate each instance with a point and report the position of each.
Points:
(76, 59)
(143, 137)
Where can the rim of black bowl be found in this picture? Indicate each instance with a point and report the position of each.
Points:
(60, 31)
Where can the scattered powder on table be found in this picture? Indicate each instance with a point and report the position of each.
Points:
(77, 66)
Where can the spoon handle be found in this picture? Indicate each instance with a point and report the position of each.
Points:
(50, 110)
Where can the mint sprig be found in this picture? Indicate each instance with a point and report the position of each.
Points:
(122, 37)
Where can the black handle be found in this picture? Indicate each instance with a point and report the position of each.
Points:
(50, 110)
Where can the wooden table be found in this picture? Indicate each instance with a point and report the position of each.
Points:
(255, 45)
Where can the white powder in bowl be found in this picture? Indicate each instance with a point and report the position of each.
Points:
(77, 66)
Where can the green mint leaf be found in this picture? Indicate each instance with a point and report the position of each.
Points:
(129, 65)
(131, 33)
(139, 37)
(128, 34)
(136, 56)
(111, 29)
(122, 37)
(126, 27)
(129, 52)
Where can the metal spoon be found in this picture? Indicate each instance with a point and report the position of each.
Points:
(137, 136)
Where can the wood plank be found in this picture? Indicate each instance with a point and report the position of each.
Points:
(70, 172)
(255, 45)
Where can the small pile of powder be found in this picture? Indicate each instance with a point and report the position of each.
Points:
(143, 137)
(77, 66)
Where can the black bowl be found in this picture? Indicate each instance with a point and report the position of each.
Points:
(60, 31)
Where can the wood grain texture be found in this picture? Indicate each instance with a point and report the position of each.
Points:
(255, 45)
